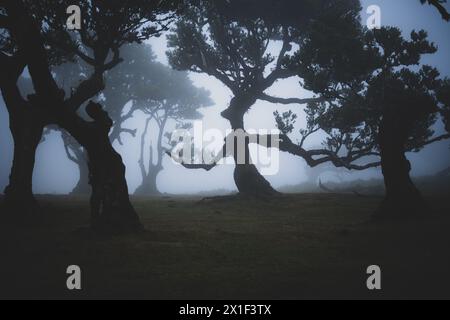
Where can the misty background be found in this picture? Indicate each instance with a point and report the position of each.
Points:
(56, 174)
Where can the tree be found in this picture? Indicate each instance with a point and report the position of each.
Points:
(377, 106)
(68, 75)
(233, 48)
(32, 27)
(170, 97)
(121, 87)
(146, 86)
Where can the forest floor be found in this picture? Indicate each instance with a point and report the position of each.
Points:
(293, 247)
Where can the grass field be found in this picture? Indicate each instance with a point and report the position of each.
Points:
(293, 247)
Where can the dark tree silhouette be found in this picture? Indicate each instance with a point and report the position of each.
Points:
(69, 75)
(377, 104)
(161, 94)
(213, 37)
(32, 28)
(78, 156)
(121, 86)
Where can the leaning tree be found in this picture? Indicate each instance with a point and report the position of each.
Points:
(31, 29)
(381, 103)
(229, 40)
(119, 98)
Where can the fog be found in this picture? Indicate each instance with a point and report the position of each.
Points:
(55, 174)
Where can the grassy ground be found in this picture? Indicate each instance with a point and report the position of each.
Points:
(298, 246)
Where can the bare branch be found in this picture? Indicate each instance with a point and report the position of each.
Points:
(271, 99)
(437, 139)
(84, 57)
(442, 10)
(207, 167)
(286, 145)
(131, 132)
(277, 74)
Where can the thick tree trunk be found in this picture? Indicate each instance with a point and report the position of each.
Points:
(110, 203)
(27, 134)
(251, 183)
(402, 197)
(246, 176)
(111, 208)
(26, 129)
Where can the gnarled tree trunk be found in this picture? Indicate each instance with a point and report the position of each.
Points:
(111, 208)
(246, 176)
(402, 197)
(26, 128)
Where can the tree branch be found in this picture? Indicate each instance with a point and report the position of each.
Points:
(286, 145)
(442, 10)
(271, 99)
(85, 91)
(285, 48)
(12, 66)
(116, 59)
(84, 57)
(70, 156)
(437, 139)
(277, 74)
(125, 130)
